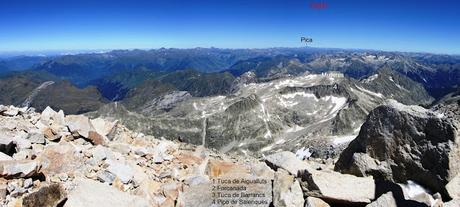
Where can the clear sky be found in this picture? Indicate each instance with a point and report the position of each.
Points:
(401, 25)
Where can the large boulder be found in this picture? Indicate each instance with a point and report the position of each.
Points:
(89, 193)
(60, 158)
(121, 170)
(18, 168)
(341, 189)
(46, 196)
(196, 195)
(327, 185)
(399, 143)
(287, 161)
(53, 124)
(102, 126)
(286, 190)
(49, 116)
(79, 124)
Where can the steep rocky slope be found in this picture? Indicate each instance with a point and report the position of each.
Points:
(40, 90)
(137, 84)
(396, 86)
(313, 111)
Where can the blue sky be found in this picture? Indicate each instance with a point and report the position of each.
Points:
(421, 26)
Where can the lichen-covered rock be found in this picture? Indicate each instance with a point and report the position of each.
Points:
(45, 196)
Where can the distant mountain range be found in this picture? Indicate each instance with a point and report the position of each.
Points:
(267, 99)
(211, 71)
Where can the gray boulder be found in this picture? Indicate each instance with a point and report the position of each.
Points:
(400, 143)
(121, 170)
(36, 138)
(18, 169)
(79, 124)
(287, 161)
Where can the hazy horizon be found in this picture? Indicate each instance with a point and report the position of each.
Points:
(7, 54)
(409, 26)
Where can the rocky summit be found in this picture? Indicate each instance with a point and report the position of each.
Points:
(53, 159)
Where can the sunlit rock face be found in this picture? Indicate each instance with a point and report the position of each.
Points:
(400, 143)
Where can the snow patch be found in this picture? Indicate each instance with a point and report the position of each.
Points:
(303, 94)
(371, 78)
(303, 153)
(280, 141)
(288, 82)
(338, 102)
(370, 92)
(269, 147)
(296, 128)
(412, 190)
(266, 118)
(440, 115)
(338, 140)
(287, 104)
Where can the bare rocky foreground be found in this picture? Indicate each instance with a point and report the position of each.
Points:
(50, 159)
